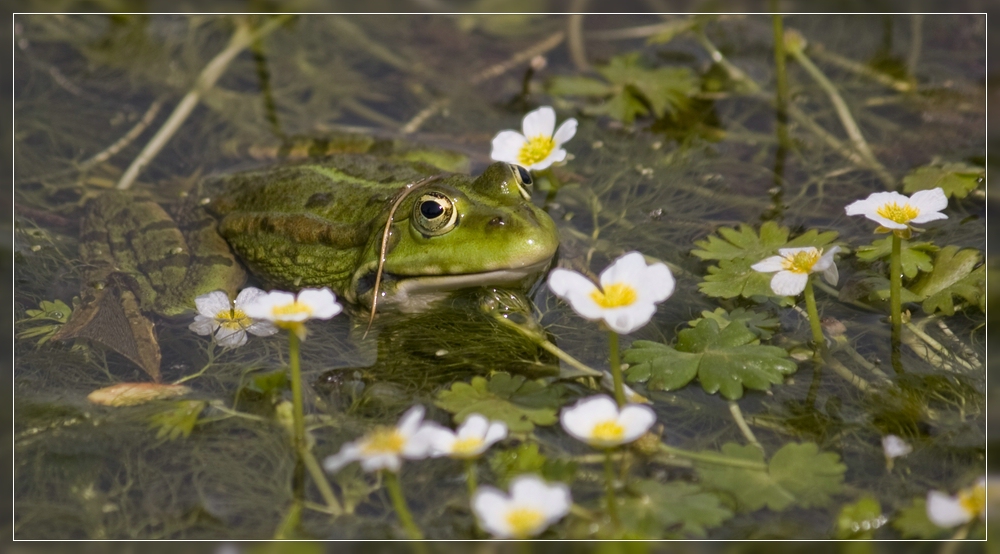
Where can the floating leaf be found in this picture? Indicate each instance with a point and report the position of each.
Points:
(738, 249)
(132, 394)
(525, 458)
(860, 519)
(759, 323)
(955, 273)
(724, 360)
(515, 400)
(956, 179)
(179, 421)
(672, 509)
(632, 89)
(916, 256)
(798, 474)
(912, 522)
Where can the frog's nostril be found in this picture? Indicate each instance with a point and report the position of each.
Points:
(496, 222)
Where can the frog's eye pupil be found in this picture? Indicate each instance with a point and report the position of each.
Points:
(431, 209)
(525, 175)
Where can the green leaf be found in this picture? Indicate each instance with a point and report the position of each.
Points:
(955, 273)
(578, 86)
(515, 400)
(956, 179)
(798, 474)
(179, 421)
(916, 256)
(912, 522)
(759, 323)
(525, 458)
(860, 519)
(674, 509)
(724, 360)
(738, 249)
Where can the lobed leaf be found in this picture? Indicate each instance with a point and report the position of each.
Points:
(515, 400)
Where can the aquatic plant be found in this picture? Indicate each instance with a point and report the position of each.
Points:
(227, 318)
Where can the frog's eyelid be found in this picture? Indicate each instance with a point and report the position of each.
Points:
(436, 225)
(523, 179)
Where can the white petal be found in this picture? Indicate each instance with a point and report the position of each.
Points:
(203, 325)
(924, 217)
(831, 274)
(322, 301)
(579, 419)
(507, 146)
(562, 282)
(636, 419)
(440, 439)
(391, 462)
(769, 265)
(565, 132)
(874, 201)
(231, 338)
(629, 318)
(419, 445)
(825, 260)
(348, 453)
(410, 422)
(787, 283)
(248, 295)
(540, 122)
(211, 304)
(263, 307)
(490, 506)
(262, 329)
(789, 252)
(497, 431)
(475, 425)
(945, 511)
(894, 447)
(929, 201)
(628, 268)
(657, 284)
(555, 156)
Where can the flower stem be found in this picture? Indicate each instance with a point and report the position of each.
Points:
(895, 287)
(719, 459)
(609, 478)
(616, 368)
(314, 469)
(781, 84)
(817, 330)
(298, 413)
(470, 476)
(399, 503)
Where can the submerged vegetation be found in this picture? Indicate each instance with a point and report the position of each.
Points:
(696, 397)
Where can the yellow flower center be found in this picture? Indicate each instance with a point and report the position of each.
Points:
(801, 262)
(466, 447)
(535, 150)
(608, 431)
(615, 296)
(292, 309)
(233, 319)
(973, 501)
(900, 214)
(524, 521)
(384, 440)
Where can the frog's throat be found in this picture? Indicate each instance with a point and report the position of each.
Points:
(417, 290)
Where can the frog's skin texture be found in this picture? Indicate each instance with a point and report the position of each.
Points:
(320, 223)
(164, 262)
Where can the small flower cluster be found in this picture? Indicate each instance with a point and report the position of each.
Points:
(260, 313)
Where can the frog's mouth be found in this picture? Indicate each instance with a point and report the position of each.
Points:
(404, 290)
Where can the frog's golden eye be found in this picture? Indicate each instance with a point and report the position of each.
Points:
(434, 214)
(523, 178)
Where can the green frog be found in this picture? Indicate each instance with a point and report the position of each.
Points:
(354, 221)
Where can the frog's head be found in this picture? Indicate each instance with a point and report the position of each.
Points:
(460, 232)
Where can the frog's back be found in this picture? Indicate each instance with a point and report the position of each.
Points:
(307, 224)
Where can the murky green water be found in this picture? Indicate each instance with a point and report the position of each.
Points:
(657, 184)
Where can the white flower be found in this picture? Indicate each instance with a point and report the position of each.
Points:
(471, 439)
(627, 297)
(793, 266)
(597, 421)
(892, 210)
(228, 319)
(538, 147)
(895, 447)
(530, 508)
(289, 311)
(949, 511)
(385, 447)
